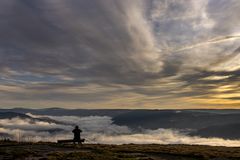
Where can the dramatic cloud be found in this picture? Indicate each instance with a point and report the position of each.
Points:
(120, 54)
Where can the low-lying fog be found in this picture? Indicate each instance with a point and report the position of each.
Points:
(97, 129)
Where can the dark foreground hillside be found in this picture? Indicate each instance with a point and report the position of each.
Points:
(52, 151)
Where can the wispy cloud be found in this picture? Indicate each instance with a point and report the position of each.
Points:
(95, 53)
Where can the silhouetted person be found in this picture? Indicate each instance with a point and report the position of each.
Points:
(77, 137)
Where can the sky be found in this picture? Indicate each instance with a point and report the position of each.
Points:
(138, 54)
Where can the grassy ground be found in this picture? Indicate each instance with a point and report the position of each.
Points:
(52, 151)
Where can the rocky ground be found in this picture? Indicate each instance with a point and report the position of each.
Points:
(53, 151)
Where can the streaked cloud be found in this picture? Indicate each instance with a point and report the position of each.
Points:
(119, 54)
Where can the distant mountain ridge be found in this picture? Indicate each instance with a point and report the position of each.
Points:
(174, 119)
(69, 112)
(9, 115)
(109, 112)
(227, 131)
(204, 123)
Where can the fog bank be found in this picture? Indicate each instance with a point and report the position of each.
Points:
(98, 129)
